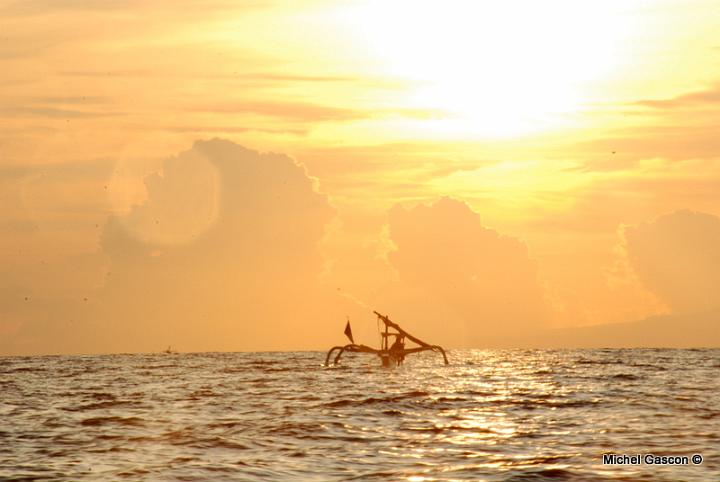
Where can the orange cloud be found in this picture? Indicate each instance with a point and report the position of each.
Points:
(677, 256)
(223, 254)
(297, 111)
(696, 99)
(467, 284)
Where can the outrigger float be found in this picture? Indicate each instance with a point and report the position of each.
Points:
(389, 353)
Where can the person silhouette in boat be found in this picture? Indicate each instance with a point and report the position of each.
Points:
(397, 347)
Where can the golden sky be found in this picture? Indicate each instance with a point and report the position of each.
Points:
(226, 175)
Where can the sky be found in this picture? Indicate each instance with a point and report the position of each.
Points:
(223, 176)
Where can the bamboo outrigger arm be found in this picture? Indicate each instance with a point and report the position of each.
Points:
(386, 353)
(353, 348)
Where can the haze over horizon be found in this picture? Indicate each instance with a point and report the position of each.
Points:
(223, 177)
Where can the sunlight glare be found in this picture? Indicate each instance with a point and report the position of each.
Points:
(496, 68)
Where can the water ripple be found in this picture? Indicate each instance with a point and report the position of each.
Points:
(523, 415)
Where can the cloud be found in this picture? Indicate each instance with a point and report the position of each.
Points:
(677, 128)
(395, 172)
(261, 78)
(52, 113)
(45, 7)
(21, 48)
(305, 111)
(677, 257)
(285, 77)
(222, 255)
(465, 284)
(624, 152)
(100, 168)
(297, 111)
(232, 129)
(69, 99)
(699, 98)
(17, 225)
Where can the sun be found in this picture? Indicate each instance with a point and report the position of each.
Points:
(493, 68)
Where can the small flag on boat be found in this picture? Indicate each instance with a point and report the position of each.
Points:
(348, 332)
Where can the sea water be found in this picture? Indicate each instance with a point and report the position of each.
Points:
(494, 415)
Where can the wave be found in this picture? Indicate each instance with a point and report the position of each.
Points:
(533, 416)
(550, 474)
(624, 376)
(113, 420)
(374, 400)
(103, 405)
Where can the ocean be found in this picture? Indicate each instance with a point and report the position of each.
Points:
(491, 415)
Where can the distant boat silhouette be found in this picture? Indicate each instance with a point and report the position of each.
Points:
(389, 354)
(170, 351)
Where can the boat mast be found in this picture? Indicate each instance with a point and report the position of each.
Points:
(390, 323)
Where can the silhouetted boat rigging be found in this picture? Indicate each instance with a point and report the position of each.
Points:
(388, 353)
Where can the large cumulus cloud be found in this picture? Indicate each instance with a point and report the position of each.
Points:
(677, 257)
(223, 254)
(466, 284)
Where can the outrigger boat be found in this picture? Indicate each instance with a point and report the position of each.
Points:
(389, 353)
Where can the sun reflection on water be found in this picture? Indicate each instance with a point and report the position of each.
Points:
(490, 415)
